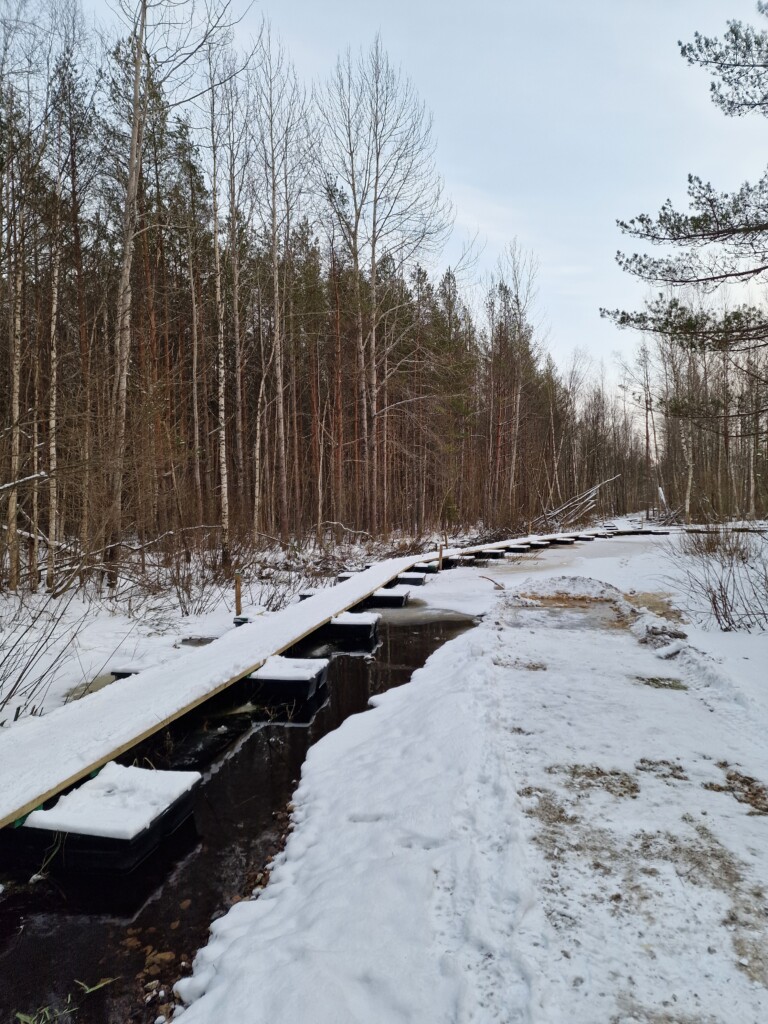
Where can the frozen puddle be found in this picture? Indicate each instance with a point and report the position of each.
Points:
(83, 689)
(551, 616)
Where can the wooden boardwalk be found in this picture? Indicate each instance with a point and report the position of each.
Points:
(40, 757)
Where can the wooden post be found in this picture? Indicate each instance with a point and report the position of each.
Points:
(238, 594)
(440, 559)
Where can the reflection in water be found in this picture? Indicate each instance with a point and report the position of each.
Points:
(50, 935)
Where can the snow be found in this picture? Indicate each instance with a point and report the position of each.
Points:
(356, 619)
(119, 803)
(86, 733)
(288, 669)
(84, 640)
(399, 590)
(558, 820)
(130, 669)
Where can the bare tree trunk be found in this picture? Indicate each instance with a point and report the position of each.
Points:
(688, 447)
(221, 365)
(384, 506)
(34, 541)
(195, 388)
(85, 513)
(258, 472)
(53, 494)
(282, 454)
(365, 455)
(281, 108)
(234, 255)
(755, 431)
(515, 445)
(15, 466)
(373, 386)
(124, 293)
(237, 342)
(339, 504)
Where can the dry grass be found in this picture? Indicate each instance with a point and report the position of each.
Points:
(744, 788)
(661, 682)
(658, 603)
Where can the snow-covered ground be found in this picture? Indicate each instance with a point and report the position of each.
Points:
(55, 648)
(561, 819)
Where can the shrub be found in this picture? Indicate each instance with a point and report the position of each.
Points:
(728, 569)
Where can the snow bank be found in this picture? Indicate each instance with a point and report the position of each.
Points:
(383, 906)
(572, 586)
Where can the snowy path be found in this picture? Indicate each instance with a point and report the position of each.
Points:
(555, 821)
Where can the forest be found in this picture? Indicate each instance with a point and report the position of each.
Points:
(363, 657)
(227, 321)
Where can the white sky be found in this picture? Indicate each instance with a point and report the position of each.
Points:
(553, 119)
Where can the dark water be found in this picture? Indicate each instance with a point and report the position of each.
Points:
(58, 939)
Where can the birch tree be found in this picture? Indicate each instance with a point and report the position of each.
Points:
(378, 176)
(280, 141)
(166, 43)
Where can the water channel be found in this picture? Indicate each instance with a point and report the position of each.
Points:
(58, 940)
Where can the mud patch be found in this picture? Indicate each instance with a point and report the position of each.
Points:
(660, 634)
(744, 788)
(585, 778)
(83, 689)
(517, 663)
(637, 1014)
(753, 957)
(698, 858)
(582, 611)
(547, 808)
(658, 603)
(637, 876)
(567, 600)
(661, 682)
(668, 771)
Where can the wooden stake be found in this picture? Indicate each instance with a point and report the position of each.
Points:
(238, 594)
(440, 559)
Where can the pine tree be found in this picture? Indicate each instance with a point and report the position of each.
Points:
(722, 238)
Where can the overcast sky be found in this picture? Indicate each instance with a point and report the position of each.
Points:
(552, 120)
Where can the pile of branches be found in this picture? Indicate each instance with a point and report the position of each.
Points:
(574, 511)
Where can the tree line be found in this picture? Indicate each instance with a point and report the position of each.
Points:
(223, 326)
(220, 325)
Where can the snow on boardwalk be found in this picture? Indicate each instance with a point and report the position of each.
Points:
(39, 756)
(539, 829)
